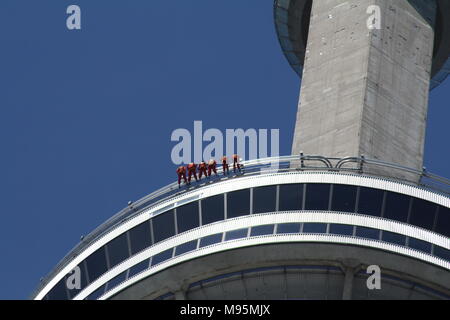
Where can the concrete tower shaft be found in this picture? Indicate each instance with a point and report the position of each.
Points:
(365, 91)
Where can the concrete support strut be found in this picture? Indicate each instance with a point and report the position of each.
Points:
(364, 89)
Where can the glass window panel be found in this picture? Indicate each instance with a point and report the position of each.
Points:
(140, 237)
(236, 234)
(420, 245)
(394, 238)
(187, 217)
(291, 197)
(186, 247)
(74, 292)
(317, 196)
(422, 213)
(442, 253)
(209, 240)
(262, 230)
(138, 268)
(312, 227)
(264, 199)
(212, 209)
(163, 226)
(342, 229)
(58, 292)
(443, 221)
(238, 203)
(370, 201)
(114, 282)
(288, 228)
(344, 198)
(118, 250)
(161, 257)
(368, 233)
(96, 264)
(397, 206)
(97, 293)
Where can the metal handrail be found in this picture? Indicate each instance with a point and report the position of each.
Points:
(249, 167)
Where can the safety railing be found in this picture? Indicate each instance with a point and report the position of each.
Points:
(354, 165)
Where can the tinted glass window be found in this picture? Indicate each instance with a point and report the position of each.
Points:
(236, 234)
(420, 245)
(344, 198)
(314, 228)
(140, 237)
(212, 209)
(58, 292)
(393, 238)
(186, 247)
(442, 253)
(264, 199)
(397, 206)
(422, 213)
(370, 201)
(97, 293)
(443, 221)
(118, 250)
(74, 292)
(343, 229)
(138, 268)
(262, 230)
(161, 257)
(368, 233)
(288, 228)
(96, 264)
(317, 196)
(163, 226)
(114, 282)
(291, 197)
(209, 240)
(238, 203)
(187, 217)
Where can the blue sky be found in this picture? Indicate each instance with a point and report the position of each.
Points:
(86, 116)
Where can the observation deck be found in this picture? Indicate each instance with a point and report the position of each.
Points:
(281, 215)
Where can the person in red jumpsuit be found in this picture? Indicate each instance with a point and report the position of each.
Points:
(192, 170)
(225, 165)
(181, 172)
(236, 163)
(202, 170)
(212, 166)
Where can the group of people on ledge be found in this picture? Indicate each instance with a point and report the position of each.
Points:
(205, 169)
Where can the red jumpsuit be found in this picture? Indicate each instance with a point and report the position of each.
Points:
(181, 171)
(236, 163)
(225, 165)
(192, 170)
(212, 166)
(202, 170)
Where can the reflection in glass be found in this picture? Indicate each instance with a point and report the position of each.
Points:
(312, 227)
(288, 228)
(262, 230)
(209, 240)
(236, 234)
(342, 229)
